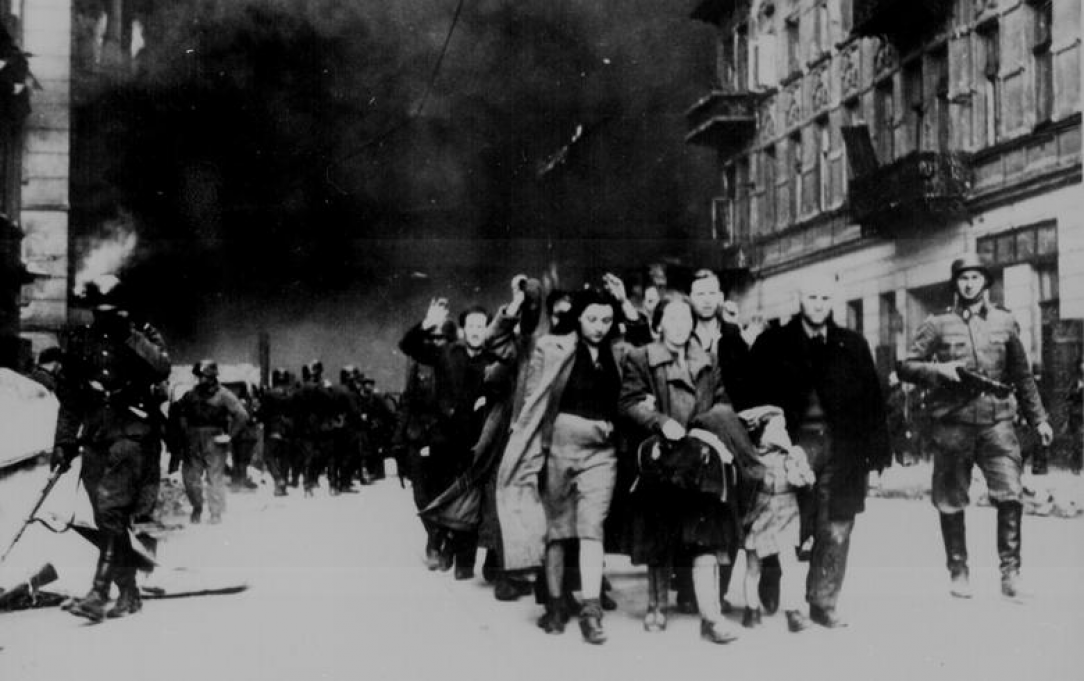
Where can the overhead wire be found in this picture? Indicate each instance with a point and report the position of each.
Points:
(414, 113)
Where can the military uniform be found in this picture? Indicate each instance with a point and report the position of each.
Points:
(106, 391)
(276, 413)
(975, 427)
(206, 415)
(316, 424)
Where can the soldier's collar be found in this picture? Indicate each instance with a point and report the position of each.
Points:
(966, 311)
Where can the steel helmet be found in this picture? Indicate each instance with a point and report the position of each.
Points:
(970, 262)
(206, 368)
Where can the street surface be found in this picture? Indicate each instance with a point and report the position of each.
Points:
(337, 590)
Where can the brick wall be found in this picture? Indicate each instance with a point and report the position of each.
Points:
(46, 161)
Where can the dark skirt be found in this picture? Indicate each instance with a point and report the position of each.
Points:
(666, 525)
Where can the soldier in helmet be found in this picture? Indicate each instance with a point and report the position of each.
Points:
(106, 384)
(316, 423)
(972, 420)
(344, 451)
(276, 413)
(210, 416)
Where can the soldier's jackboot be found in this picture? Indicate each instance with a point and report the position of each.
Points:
(1009, 517)
(92, 606)
(954, 533)
(129, 601)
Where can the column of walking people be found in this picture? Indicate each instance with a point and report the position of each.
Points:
(571, 424)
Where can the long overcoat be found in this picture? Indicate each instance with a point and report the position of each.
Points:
(519, 506)
(849, 392)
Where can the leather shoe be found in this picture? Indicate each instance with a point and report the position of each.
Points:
(796, 621)
(826, 617)
(510, 590)
(464, 572)
(654, 620)
(960, 586)
(751, 618)
(555, 618)
(591, 623)
(716, 632)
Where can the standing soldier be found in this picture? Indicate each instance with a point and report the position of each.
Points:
(105, 386)
(316, 423)
(377, 419)
(244, 445)
(345, 450)
(276, 415)
(971, 358)
(210, 417)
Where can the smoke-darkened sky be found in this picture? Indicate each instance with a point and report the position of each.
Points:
(276, 178)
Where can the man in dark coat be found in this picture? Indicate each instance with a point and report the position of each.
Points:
(459, 374)
(824, 379)
(418, 417)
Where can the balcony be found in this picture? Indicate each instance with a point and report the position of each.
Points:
(722, 120)
(911, 195)
(899, 20)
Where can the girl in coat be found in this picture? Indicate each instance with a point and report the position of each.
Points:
(665, 385)
(772, 522)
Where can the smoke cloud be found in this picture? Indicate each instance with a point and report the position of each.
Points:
(267, 151)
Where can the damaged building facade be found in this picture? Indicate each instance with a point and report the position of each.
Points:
(877, 140)
(54, 190)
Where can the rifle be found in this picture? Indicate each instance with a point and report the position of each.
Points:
(18, 596)
(977, 384)
(49, 484)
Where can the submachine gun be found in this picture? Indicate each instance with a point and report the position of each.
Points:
(975, 383)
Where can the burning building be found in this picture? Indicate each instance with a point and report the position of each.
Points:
(289, 165)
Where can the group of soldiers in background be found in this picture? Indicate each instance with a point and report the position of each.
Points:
(111, 379)
(315, 428)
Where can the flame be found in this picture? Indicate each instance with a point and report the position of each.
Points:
(107, 254)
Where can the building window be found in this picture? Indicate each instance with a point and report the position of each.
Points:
(941, 116)
(854, 315)
(891, 324)
(990, 63)
(741, 199)
(767, 178)
(846, 16)
(824, 173)
(884, 104)
(1026, 244)
(794, 46)
(851, 116)
(1048, 283)
(1043, 17)
(741, 58)
(914, 110)
(795, 170)
(822, 29)
(764, 59)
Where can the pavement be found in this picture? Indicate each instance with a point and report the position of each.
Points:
(337, 590)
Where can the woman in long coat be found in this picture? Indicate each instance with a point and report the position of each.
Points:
(666, 385)
(563, 439)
